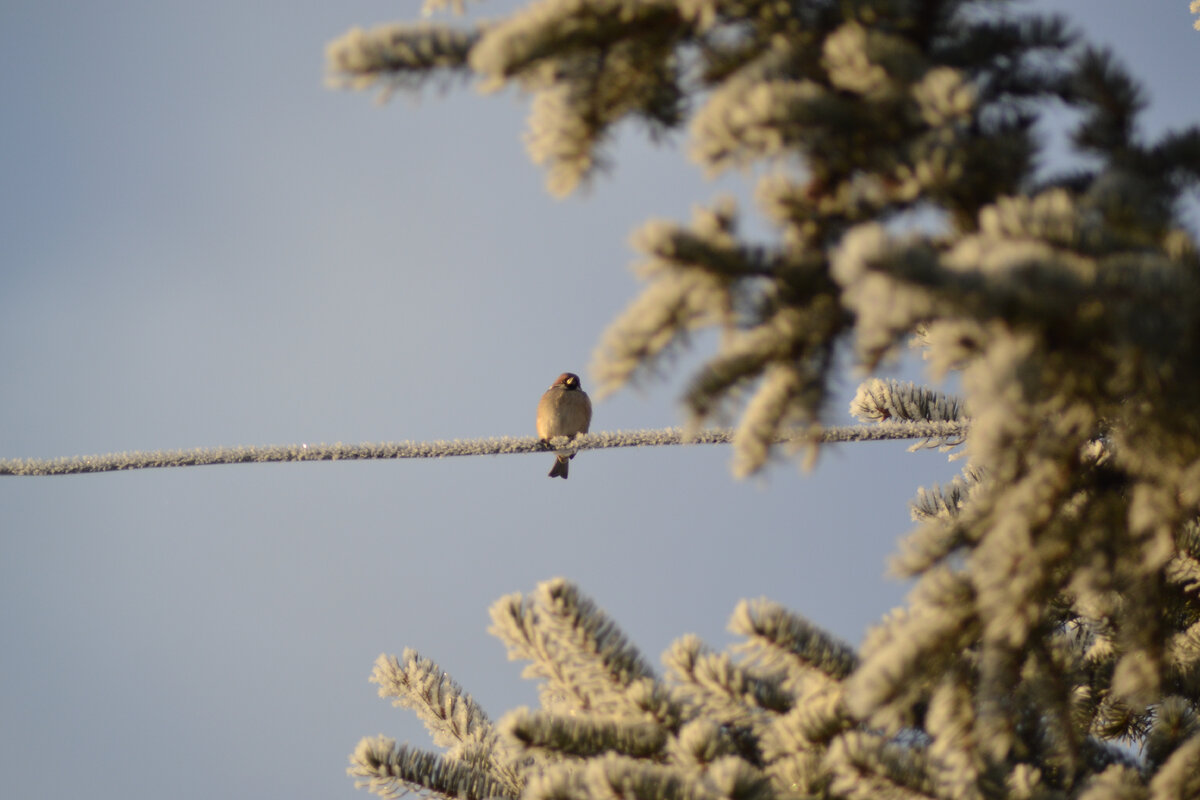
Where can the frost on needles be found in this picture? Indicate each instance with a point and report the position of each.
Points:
(1051, 644)
(609, 725)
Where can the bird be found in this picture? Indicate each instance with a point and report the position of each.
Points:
(564, 410)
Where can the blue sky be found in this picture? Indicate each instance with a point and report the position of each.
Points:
(201, 246)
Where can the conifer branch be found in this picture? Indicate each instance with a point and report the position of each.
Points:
(586, 662)
(452, 717)
(867, 766)
(115, 462)
(577, 736)
(777, 638)
(449, 713)
(729, 692)
(390, 770)
(614, 777)
(880, 400)
(1179, 776)
(945, 502)
(701, 742)
(398, 56)
(1175, 722)
(1056, 607)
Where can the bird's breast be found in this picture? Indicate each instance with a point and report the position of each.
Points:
(563, 413)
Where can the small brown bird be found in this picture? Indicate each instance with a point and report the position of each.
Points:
(564, 410)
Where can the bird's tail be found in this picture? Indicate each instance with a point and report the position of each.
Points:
(561, 465)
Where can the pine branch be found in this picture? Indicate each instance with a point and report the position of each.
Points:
(663, 437)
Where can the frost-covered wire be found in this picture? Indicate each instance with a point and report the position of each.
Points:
(503, 445)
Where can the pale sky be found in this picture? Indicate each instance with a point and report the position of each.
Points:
(202, 246)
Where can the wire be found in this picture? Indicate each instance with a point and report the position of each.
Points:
(115, 462)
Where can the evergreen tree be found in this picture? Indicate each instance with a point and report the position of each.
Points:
(1051, 646)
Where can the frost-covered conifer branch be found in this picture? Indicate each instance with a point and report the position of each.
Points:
(779, 641)
(1055, 610)
(574, 736)
(1177, 777)
(615, 777)
(881, 400)
(866, 766)
(690, 272)
(514, 622)
(585, 629)
(115, 462)
(398, 56)
(941, 534)
(576, 58)
(702, 277)
(701, 742)
(730, 693)
(745, 732)
(1175, 722)
(454, 720)
(944, 502)
(584, 660)
(896, 667)
(647, 745)
(390, 770)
